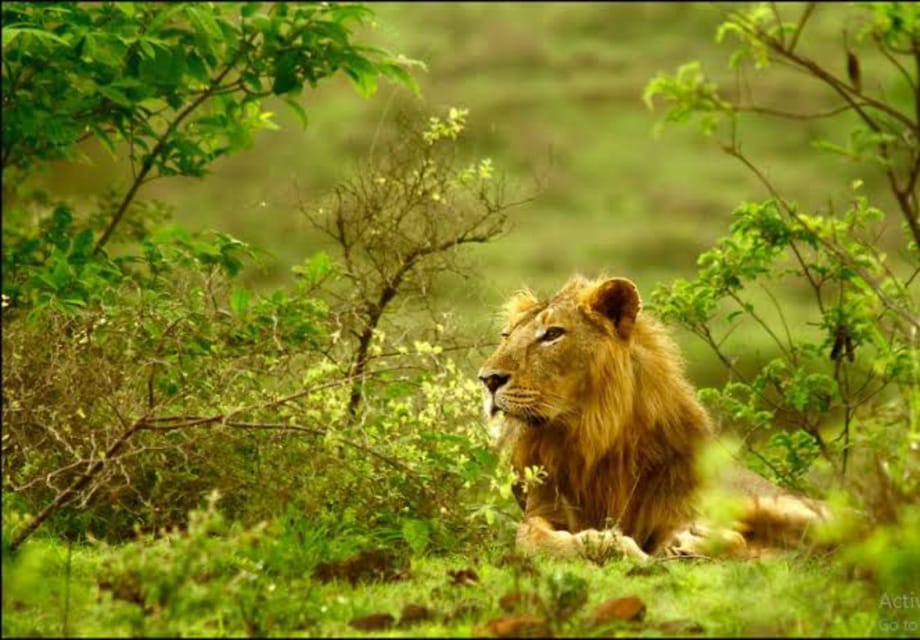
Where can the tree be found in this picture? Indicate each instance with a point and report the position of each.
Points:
(854, 387)
(177, 85)
(399, 222)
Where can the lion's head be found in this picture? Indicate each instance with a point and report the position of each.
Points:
(588, 372)
(549, 360)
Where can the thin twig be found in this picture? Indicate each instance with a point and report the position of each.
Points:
(885, 52)
(76, 486)
(792, 115)
(845, 91)
(779, 23)
(749, 309)
(806, 14)
(782, 318)
(281, 426)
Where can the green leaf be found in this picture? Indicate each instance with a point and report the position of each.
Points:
(104, 138)
(249, 8)
(205, 23)
(357, 12)
(127, 8)
(286, 79)
(298, 110)
(82, 243)
(61, 274)
(166, 12)
(362, 71)
(398, 74)
(166, 68)
(11, 33)
(197, 68)
(114, 95)
(316, 268)
(732, 315)
(111, 52)
(365, 82)
(239, 301)
(261, 23)
(147, 48)
(417, 535)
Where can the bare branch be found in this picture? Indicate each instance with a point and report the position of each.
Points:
(894, 61)
(779, 23)
(791, 115)
(856, 99)
(806, 14)
(79, 483)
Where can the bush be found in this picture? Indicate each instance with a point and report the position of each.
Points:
(130, 398)
(141, 378)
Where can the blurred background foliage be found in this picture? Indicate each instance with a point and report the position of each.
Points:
(555, 94)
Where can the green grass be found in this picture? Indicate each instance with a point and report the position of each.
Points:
(785, 596)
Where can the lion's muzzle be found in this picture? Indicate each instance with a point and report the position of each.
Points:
(493, 379)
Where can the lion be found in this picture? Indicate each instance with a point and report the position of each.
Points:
(594, 393)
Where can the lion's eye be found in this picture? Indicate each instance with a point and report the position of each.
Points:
(505, 334)
(551, 334)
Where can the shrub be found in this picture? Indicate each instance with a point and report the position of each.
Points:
(170, 379)
(140, 379)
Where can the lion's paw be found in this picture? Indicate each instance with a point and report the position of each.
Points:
(600, 546)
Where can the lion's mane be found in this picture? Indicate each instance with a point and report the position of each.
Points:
(627, 455)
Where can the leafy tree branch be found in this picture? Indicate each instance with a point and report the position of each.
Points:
(864, 365)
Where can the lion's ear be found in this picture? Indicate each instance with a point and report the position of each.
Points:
(520, 302)
(618, 300)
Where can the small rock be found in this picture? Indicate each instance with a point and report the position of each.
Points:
(373, 622)
(630, 609)
(522, 626)
(463, 577)
(413, 613)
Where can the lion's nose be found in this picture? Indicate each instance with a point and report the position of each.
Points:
(494, 379)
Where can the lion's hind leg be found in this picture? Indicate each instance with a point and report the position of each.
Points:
(766, 524)
(784, 519)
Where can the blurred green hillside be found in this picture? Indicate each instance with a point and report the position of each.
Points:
(554, 92)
